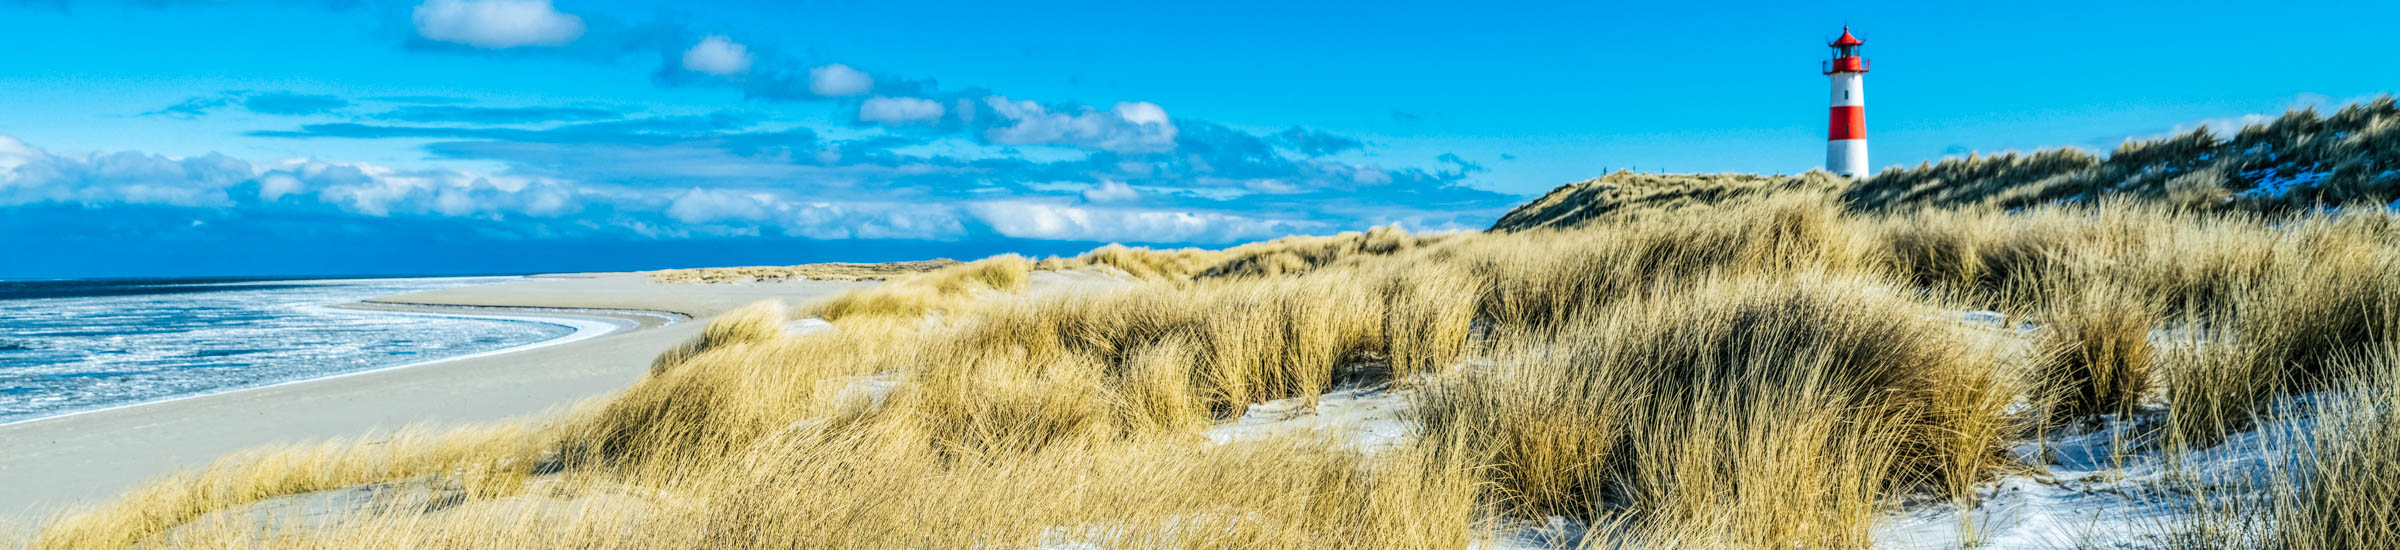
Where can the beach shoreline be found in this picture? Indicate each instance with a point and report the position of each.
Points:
(53, 463)
(587, 324)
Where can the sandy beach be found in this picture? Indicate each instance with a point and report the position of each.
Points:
(50, 464)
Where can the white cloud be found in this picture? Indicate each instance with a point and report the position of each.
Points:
(14, 153)
(717, 55)
(1034, 220)
(277, 185)
(1131, 127)
(382, 191)
(1370, 175)
(1142, 112)
(31, 176)
(865, 220)
(1111, 191)
(1270, 186)
(1135, 168)
(899, 110)
(711, 205)
(838, 80)
(724, 212)
(497, 23)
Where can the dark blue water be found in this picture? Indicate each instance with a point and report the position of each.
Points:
(67, 346)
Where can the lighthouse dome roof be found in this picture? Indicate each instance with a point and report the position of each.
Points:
(1847, 39)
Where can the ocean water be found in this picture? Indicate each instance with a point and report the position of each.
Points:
(68, 346)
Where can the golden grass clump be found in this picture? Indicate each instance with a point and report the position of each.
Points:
(1014, 374)
(1135, 494)
(1285, 256)
(1790, 403)
(2348, 496)
(1140, 263)
(1933, 249)
(1303, 254)
(2094, 355)
(758, 322)
(2336, 290)
(1545, 278)
(927, 292)
(877, 488)
(490, 461)
(2332, 483)
(2327, 292)
(728, 395)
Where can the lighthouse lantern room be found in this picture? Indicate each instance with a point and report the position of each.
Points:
(1846, 135)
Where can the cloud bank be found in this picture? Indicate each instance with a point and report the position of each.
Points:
(910, 160)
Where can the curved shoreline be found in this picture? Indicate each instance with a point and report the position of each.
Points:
(54, 463)
(586, 323)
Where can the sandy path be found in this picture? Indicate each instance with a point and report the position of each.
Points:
(52, 463)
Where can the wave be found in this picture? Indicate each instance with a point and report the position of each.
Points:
(103, 346)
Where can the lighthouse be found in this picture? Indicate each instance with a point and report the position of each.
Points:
(1846, 135)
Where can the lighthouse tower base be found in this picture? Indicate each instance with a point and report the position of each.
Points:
(1847, 157)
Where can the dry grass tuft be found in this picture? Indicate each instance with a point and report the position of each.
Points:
(1285, 256)
(2095, 355)
(493, 460)
(2349, 496)
(2326, 292)
(1141, 263)
(928, 292)
(1297, 255)
(1748, 412)
(755, 323)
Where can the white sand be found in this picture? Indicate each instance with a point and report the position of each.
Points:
(49, 464)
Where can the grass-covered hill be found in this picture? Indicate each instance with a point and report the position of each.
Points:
(1627, 193)
(2301, 160)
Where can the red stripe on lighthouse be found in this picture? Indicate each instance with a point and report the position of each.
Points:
(1849, 122)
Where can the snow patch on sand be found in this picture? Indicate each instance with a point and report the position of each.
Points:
(1985, 318)
(1367, 418)
(1552, 532)
(2112, 485)
(806, 326)
(2275, 186)
(873, 390)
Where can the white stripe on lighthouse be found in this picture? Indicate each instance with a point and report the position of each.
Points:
(1847, 157)
(1849, 90)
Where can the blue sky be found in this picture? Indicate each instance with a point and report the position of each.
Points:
(164, 137)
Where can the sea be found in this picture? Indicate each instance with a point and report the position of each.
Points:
(79, 345)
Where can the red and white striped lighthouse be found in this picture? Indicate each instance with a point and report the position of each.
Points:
(1846, 135)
